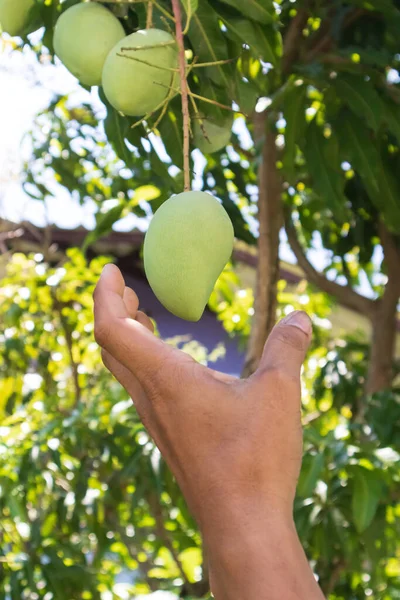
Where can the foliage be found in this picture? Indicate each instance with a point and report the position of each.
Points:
(85, 496)
(84, 493)
(333, 100)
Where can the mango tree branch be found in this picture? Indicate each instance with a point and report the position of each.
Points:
(384, 324)
(270, 207)
(325, 42)
(343, 294)
(291, 46)
(270, 223)
(184, 92)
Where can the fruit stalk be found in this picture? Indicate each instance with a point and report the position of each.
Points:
(149, 19)
(184, 93)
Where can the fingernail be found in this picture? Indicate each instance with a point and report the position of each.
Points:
(299, 319)
(107, 269)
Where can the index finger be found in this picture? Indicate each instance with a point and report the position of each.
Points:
(130, 342)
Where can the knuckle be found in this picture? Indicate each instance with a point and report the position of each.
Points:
(105, 358)
(281, 379)
(276, 375)
(96, 293)
(101, 332)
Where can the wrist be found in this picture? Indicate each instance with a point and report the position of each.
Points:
(259, 557)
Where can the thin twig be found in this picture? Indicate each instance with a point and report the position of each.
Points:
(216, 63)
(197, 115)
(151, 47)
(149, 18)
(149, 64)
(176, 7)
(148, 115)
(163, 112)
(204, 99)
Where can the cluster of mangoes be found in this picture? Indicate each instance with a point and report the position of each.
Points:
(190, 238)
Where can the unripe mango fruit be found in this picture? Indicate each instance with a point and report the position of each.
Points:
(217, 133)
(187, 245)
(14, 15)
(83, 36)
(135, 88)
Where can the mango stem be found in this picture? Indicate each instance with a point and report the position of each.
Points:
(176, 7)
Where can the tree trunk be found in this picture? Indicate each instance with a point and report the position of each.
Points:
(384, 320)
(270, 222)
(380, 371)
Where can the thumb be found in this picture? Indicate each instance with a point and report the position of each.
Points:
(287, 344)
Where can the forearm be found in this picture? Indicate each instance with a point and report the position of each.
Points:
(260, 561)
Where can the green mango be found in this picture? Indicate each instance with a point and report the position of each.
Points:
(211, 135)
(14, 15)
(83, 37)
(136, 88)
(188, 243)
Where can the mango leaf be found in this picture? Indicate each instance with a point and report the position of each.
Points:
(246, 95)
(208, 41)
(367, 493)
(368, 56)
(313, 465)
(363, 154)
(361, 98)
(391, 118)
(261, 11)
(104, 224)
(326, 174)
(384, 6)
(294, 113)
(171, 131)
(145, 193)
(190, 6)
(265, 43)
(218, 94)
(116, 127)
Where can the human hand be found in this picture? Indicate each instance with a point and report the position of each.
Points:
(234, 446)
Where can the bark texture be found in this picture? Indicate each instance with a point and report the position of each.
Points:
(384, 320)
(270, 222)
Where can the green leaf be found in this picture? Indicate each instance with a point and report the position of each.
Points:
(190, 6)
(116, 127)
(326, 173)
(385, 6)
(246, 95)
(361, 97)
(368, 56)
(105, 221)
(294, 113)
(367, 493)
(264, 42)
(208, 41)
(382, 187)
(313, 465)
(49, 524)
(171, 131)
(218, 94)
(391, 118)
(261, 11)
